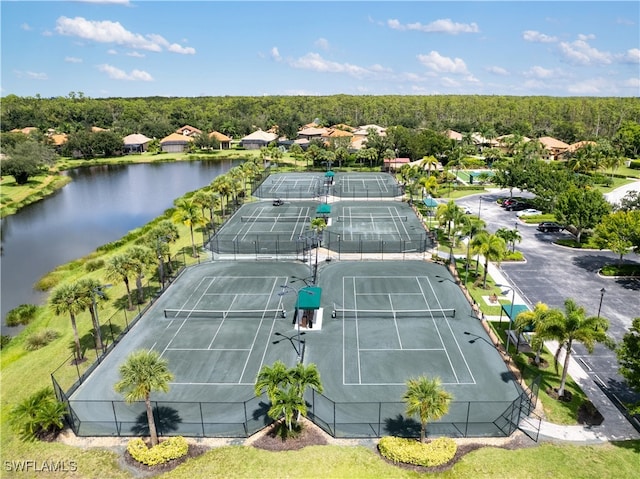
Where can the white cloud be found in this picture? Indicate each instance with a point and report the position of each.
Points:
(496, 70)
(73, 60)
(117, 74)
(26, 27)
(135, 55)
(439, 26)
(437, 63)
(31, 75)
(275, 54)
(322, 43)
(537, 37)
(539, 72)
(315, 62)
(113, 32)
(111, 51)
(632, 83)
(631, 56)
(592, 86)
(579, 52)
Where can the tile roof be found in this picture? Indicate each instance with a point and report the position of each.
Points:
(176, 138)
(552, 143)
(136, 139)
(222, 138)
(260, 135)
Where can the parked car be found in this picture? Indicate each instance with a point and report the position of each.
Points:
(550, 226)
(278, 202)
(528, 211)
(507, 202)
(517, 206)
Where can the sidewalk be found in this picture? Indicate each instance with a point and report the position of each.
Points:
(615, 426)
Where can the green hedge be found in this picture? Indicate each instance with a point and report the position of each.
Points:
(409, 451)
(167, 450)
(635, 164)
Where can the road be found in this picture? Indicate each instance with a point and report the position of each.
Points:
(553, 273)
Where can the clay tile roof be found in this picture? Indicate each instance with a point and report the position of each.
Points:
(59, 138)
(333, 133)
(136, 139)
(190, 129)
(580, 144)
(176, 138)
(219, 136)
(552, 143)
(96, 129)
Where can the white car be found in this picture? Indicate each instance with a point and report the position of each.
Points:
(527, 212)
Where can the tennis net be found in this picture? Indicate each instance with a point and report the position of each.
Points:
(393, 313)
(372, 218)
(231, 314)
(275, 219)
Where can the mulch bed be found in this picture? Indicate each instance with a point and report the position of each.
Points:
(310, 435)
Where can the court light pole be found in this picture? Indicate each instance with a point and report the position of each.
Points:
(602, 291)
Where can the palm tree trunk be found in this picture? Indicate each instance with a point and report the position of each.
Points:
(193, 243)
(565, 368)
(152, 422)
(423, 430)
(139, 288)
(486, 269)
(76, 337)
(129, 299)
(96, 329)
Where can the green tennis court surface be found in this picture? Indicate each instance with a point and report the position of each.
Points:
(219, 323)
(293, 186)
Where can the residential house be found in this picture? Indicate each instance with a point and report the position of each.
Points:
(257, 140)
(552, 147)
(393, 164)
(187, 130)
(223, 140)
(26, 130)
(175, 143)
(312, 133)
(136, 143)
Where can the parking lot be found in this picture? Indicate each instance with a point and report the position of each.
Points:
(553, 273)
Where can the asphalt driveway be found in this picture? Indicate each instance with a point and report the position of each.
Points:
(553, 273)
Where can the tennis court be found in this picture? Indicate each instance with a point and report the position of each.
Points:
(262, 228)
(382, 226)
(365, 185)
(377, 324)
(293, 186)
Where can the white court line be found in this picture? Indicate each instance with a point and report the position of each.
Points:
(402, 223)
(395, 322)
(404, 349)
(209, 349)
(453, 336)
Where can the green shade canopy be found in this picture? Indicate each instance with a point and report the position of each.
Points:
(329, 173)
(430, 203)
(323, 209)
(512, 314)
(309, 297)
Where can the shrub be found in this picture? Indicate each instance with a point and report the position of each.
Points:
(39, 416)
(635, 164)
(167, 450)
(94, 265)
(40, 339)
(409, 451)
(23, 314)
(4, 341)
(514, 256)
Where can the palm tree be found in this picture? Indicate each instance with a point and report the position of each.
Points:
(537, 319)
(426, 399)
(471, 226)
(69, 298)
(120, 267)
(222, 186)
(510, 236)
(492, 247)
(141, 258)
(287, 402)
(271, 379)
(428, 162)
(142, 373)
(188, 214)
(92, 290)
(429, 185)
(574, 325)
(303, 377)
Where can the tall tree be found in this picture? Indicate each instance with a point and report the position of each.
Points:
(92, 290)
(427, 400)
(142, 373)
(492, 247)
(628, 353)
(120, 268)
(141, 257)
(69, 298)
(510, 236)
(574, 326)
(619, 232)
(581, 207)
(188, 214)
(26, 159)
(537, 320)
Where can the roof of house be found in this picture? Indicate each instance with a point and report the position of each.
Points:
(221, 137)
(59, 138)
(188, 130)
(398, 161)
(511, 135)
(313, 131)
(136, 139)
(260, 135)
(26, 130)
(176, 138)
(364, 130)
(96, 129)
(335, 132)
(552, 143)
(580, 144)
(453, 135)
(342, 126)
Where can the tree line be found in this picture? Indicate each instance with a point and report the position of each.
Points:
(570, 119)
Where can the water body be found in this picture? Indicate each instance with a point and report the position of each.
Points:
(100, 205)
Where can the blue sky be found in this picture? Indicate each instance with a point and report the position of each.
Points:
(107, 48)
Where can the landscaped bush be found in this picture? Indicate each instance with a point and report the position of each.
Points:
(39, 416)
(94, 265)
(620, 270)
(514, 256)
(4, 341)
(167, 450)
(23, 314)
(635, 164)
(40, 339)
(409, 451)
